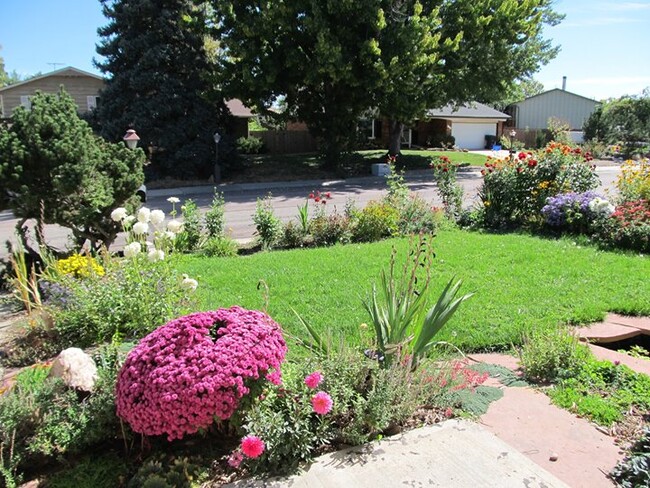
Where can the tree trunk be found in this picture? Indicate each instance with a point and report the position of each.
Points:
(332, 152)
(395, 129)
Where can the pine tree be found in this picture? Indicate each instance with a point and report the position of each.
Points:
(158, 84)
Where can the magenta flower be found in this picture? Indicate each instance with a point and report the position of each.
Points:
(195, 368)
(313, 380)
(321, 402)
(252, 446)
(235, 459)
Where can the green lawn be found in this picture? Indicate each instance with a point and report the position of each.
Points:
(520, 281)
(276, 167)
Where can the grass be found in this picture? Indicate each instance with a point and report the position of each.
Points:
(521, 282)
(278, 167)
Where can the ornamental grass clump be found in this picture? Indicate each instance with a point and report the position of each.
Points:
(198, 367)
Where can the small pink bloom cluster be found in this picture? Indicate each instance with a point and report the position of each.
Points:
(313, 380)
(178, 378)
(322, 403)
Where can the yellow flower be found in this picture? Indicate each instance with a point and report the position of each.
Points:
(486, 203)
(79, 266)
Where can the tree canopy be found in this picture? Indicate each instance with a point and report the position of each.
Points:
(54, 170)
(335, 59)
(155, 58)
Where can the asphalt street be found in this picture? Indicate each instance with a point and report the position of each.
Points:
(286, 197)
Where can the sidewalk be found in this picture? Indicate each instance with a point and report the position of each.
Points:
(452, 454)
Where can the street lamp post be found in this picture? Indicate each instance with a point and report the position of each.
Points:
(131, 139)
(513, 134)
(217, 169)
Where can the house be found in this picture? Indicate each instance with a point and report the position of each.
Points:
(471, 125)
(534, 112)
(82, 86)
(85, 90)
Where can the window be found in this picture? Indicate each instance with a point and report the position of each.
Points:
(26, 102)
(92, 102)
(367, 128)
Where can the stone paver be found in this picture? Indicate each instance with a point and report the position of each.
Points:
(526, 420)
(607, 332)
(637, 364)
(452, 454)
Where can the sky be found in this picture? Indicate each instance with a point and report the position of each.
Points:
(605, 46)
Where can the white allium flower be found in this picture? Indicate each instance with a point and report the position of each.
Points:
(157, 217)
(174, 226)
(170, 235)
(144, 214)
(173, 200)
(128, 219)
(149, 244)
(155, 255)
(132, 250)
(189, 283)
(140, 228)
(119, 214)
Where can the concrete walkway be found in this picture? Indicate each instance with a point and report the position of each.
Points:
(452, 454)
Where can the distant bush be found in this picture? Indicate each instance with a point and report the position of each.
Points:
(250, 145)
(441, 140)
(376, 221)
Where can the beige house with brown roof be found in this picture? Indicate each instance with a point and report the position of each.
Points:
(82, 86)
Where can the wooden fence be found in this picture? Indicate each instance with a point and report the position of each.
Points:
(286, 141)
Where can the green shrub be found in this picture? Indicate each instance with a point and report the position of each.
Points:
(267, 226)
(99, 470)
(418, 216)
(628, 227)
(328, 230)
(42, 419)
(450, 192)
(294, 235)
(214, 218)
(189, 238)
(131, 299)
(220, 247)
(250, 145)
(551, 355)
(634, 470)
(182, 472)
(441, 140)
(515, 190)
(376, 221)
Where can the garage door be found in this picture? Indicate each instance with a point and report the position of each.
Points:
(472, 136)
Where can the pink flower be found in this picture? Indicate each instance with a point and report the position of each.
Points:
(321, 402)
(252, 446)
(314, 379)
(235, 459)
(449, 412)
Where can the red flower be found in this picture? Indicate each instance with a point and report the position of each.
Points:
(322, 403)
(482, 172)
(328, 195)
(317, 199)
(522, 155)
(519, 169)
(532, 163)
(311, 196)
(252, 446)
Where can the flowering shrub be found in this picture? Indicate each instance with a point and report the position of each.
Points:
(287, 425)
(451, 193)
(574, 211)
(634, 181)
(79, 266)
(195, 368)
(628, 227)
(515, 190)
(376, 221)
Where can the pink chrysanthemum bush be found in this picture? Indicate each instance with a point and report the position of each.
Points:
(195, 368)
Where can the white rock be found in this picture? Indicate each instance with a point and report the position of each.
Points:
(76, 368)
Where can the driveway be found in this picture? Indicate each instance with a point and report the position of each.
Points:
(287, 196)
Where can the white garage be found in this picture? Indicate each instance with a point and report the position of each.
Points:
(469, 124)
(471, 135)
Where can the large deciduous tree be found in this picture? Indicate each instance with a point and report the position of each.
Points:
(336, 58)
(321, 56)
(55, 170)
(155, 58)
